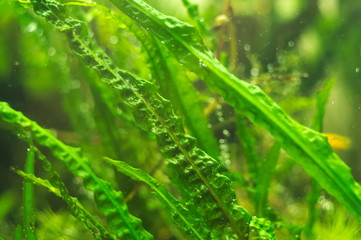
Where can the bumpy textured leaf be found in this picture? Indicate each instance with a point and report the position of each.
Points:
(198, 176)
(181, 92)
(110, 202)
(186, 220)
(307, 147)
(173, 82)
(193, 12)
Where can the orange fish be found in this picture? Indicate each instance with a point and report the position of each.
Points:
(338, 142)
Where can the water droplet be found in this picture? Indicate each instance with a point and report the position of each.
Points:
(357, 70)
(291, 44)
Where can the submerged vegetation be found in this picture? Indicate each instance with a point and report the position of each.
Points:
(140, 123)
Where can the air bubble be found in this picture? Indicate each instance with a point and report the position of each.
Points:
(357, 70)
(226, 133)
(201, 63)
(31, 27)
(51, 51)
(247, 47)
(113, 40)
(254, 72)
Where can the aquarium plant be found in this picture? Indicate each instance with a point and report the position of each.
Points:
(166, 137)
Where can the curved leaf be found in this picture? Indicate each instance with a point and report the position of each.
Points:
(187, 221)
(110, 202)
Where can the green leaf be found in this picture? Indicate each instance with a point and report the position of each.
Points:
(75, 207)
(248, 148)
(264, 180)
(187, 221)
(110, 202)
(307, 147)
(199, 177)
(28, 198)
(321, 100)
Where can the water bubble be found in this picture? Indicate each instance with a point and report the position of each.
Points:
(254, 72)
(247, 47)
(201, 63)
(291, 44)
(113, 40)
(357, 69)
(51, 51)
(75, 84)
(226, 133)
(31, 27)
(332, 102)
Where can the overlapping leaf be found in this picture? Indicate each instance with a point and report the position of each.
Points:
(110, 202)
(307, 147)
(198, 176)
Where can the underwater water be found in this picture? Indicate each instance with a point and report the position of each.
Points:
(133, 119)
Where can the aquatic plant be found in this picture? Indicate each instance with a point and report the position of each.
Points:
(165, 107)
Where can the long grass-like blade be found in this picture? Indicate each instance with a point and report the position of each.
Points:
(110, 202)
(198, 176)
(28, 198)
(317, 124)
(248, 149)
(185, 219)
(306, 146)
(321, 101)
(264, 180)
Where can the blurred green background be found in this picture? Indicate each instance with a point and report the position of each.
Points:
(314, 40)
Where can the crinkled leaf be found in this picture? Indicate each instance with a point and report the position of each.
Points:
(187, 221)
